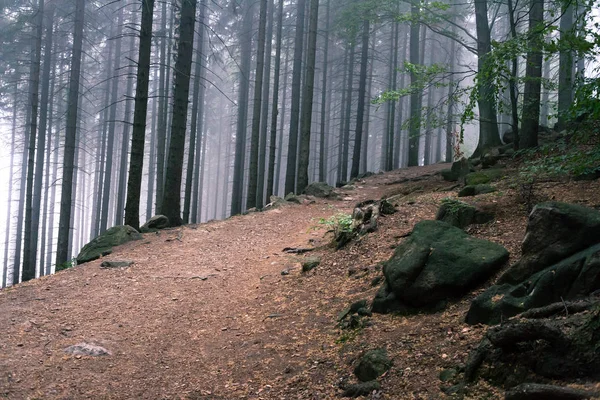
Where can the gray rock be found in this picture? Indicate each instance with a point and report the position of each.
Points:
(292, 198)
(116, 264)
(372, 365)
(103, 244)
(555, 231)
(155, 224)
(435, 263)
(458, 170)
(320, 189)
(475, 190)
(461, 215)
(570, 279)
(86, 349)
(310, 263)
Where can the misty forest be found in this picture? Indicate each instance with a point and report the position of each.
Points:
(299, 199)
(197, 110)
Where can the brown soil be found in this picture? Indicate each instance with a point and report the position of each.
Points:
(205, 313)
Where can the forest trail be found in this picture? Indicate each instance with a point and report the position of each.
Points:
(204, 312)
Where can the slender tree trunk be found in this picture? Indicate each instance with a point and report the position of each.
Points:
(264, 119)
(533, 74)
(245, 39)
(119, 220)
(360, 112)
(290, 174)
(340, 143)
(41, 143)
(322, 149)
(62, 249)
(198, 75)
(10, 183)
(450, 124)
(196, 190)
(282, 123)
(565, 70)
(255, 138)
(138, 138)
(513, 81)
(274, 112)
(171, 204)
(307, 97)
(30, 247)
(106, 195)
(163, 108)
(415, 97)
(348, 113)
(152, 156)
(366, 140)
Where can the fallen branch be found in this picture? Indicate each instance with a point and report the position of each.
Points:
(534, 391)
(297, 250)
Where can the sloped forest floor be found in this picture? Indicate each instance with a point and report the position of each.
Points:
(205, 312)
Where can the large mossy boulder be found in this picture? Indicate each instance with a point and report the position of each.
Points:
(461, 214)
(484, 176)
(555, 231)
(573, 278)
(155, 224)
(103, 244)
(458, 171)
(435, 263)
(320, 189)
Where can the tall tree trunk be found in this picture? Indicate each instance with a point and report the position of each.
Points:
(340, 143)
(307, 97)
(290, 174)
(10, 183)
(171, 204)
(194, 136)
(282, 123)
(245, 38)
(348, 114)
(533, 74)
(264, 119)
(152, 156)
(366, 142)
(122, 186)
(138, 136)
(415, 97)
(30, 247)
(488, 122)
(514, 78)
(41, 142)
(110, 144)
(199, 127)
(565, 70)
(62, 248)
(322, 133)
(163, 108)
(255, 138)
(360, 112)
(274, 112)
(450, 117)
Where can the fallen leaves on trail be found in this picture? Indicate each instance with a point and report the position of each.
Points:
(206, 311)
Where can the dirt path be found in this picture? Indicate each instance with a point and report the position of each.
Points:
(203, 313)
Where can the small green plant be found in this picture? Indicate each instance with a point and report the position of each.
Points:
(66, 265)
(454, 206)
(339, 223)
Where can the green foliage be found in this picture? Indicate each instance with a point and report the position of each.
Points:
(66, 265)
(339, 223)
(558, 159)
(454, 206)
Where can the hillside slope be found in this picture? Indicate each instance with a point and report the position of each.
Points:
(205, 313)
